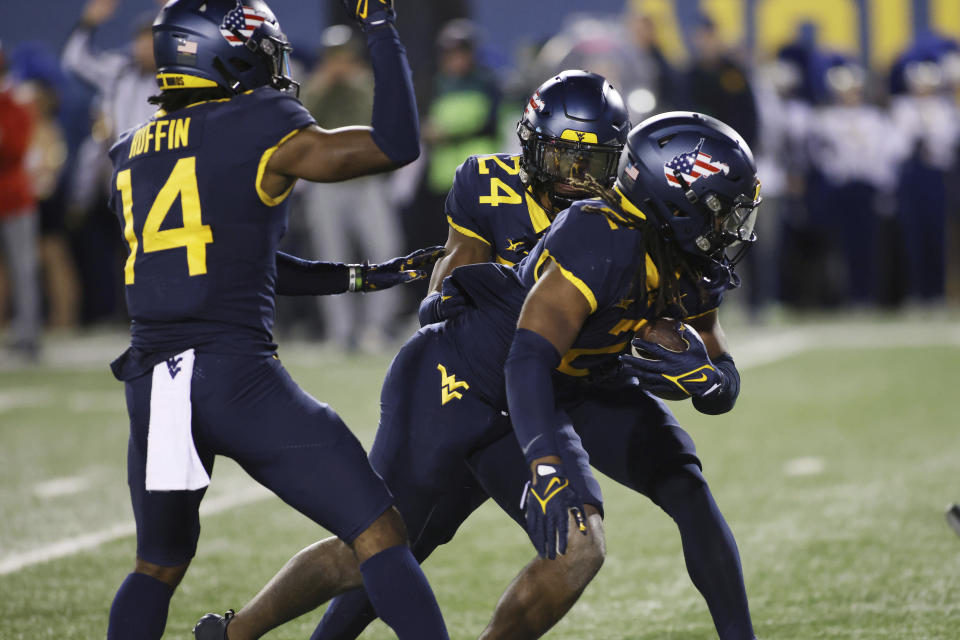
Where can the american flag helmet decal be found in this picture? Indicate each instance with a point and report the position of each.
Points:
(692, 165)
(240, 20)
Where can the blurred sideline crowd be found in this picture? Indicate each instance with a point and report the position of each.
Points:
(860, 171)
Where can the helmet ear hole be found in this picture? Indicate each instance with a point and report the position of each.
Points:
(240, 65)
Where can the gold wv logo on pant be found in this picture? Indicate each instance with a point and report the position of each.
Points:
(449, 385)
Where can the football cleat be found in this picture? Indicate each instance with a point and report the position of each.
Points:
(213, 626)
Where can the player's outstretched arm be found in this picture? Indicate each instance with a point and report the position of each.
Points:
(391, 141)
(298, 277)
(550, 320)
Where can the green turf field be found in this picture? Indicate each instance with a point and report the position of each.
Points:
(833, 471)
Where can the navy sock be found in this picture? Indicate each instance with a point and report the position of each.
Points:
(402, 596)
(139, 610)
(709, 549)
(346, 617)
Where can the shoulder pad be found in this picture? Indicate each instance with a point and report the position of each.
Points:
(280, 106)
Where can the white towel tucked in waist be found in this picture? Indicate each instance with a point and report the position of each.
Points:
(172, 460)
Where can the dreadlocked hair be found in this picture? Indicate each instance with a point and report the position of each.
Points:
(666, 257)
(175, 99)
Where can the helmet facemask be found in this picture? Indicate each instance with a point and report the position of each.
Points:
(731, 228)
(277, 52)
(556, 165)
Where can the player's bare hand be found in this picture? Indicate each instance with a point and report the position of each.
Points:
(96, 12)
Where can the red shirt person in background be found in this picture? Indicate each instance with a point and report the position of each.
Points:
(18, 219)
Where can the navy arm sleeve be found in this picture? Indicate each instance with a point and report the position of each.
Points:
(530, 396)
(396, 127)
(297, 277)
(723, 399)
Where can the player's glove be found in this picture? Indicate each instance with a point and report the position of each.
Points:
(370, 13)
(662, 371)
(441, 305)
(453, 299)
(376, 277)
(547, 506)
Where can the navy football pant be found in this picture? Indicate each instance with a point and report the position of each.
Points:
(634, 439)
(249, 409)
(430, 430)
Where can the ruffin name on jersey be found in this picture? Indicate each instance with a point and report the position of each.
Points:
(165, 134)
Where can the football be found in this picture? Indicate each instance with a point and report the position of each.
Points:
(666, 332)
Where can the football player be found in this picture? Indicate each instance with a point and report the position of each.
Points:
(603, 270)
(540, 340)
(639, 453)
(200, 190)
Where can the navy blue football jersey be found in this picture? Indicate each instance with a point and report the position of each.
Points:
(605, 261)
(489, 202)
(202, 234)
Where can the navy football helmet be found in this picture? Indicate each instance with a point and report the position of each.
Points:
(574, 125)
(696, 178)
(232, 44)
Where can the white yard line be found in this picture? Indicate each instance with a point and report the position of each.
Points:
(25, 397)
(75, 544)
(77, 401)
(771, 345)
(61, 486)
(806, 466)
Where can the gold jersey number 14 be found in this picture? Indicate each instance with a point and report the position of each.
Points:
(194, 235)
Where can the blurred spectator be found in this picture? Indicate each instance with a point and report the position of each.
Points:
(45, 163)
(623, 49)
(427, 17)
(123, 80)
(810, 271)
(96, 243)
(18, 220)
(462, 120)
(950, 63)
(462, 117)
(350, 221)
(663, 80)
(772, 85)
(928, 119)
(855, 150)
(717, 84)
